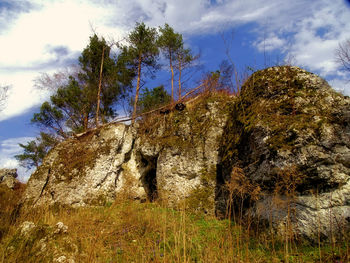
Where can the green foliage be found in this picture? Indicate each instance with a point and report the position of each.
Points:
(169, 41)
(141, 52)
(49, 117)
(184, 57)
(73, 106)
(142, 47)
(36, 150)
(114, 77)
(152, 99)
(73, 100)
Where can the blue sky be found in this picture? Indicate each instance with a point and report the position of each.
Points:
(45, 36)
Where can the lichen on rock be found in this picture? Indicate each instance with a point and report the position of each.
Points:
(8, 177)
(289, 118)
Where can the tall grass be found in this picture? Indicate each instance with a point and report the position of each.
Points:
(128, 231)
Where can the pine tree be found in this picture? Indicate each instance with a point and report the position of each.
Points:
(93, 92)
(184, 59)
(141, 52)
(170, 43)
(50, 118)
(36, 150)
(154, 98)
(99, 79)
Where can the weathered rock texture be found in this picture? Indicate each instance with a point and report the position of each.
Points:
(290, 133)
(173, 158)
(8, 177)
(283, 146)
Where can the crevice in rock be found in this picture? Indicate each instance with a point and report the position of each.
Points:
(149, 177)
(220, 195)
(44, 186)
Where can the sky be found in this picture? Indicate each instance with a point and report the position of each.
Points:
(45, 36)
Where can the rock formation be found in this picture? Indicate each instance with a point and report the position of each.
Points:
(8, 177)
(168, 160)
(290, 133)
(283, 146)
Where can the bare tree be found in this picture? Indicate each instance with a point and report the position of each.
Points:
(52, 82)
(343, 55)
(228, 42)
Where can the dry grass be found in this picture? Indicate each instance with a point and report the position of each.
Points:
(127, 231)
(8, 206)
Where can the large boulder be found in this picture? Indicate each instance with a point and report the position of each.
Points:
(289, 133)
(8, 177)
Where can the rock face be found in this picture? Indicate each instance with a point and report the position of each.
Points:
(290, 133)
(281, 150)
(168, 162)
(8, 177)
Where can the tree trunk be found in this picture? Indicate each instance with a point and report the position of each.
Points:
(99, 89)
(180, 68)
(137, 89)
(172, 76)
(86, 121)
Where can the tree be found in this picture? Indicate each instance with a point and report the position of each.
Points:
(343, 55)
(141, 52)
(99, 77)
(50, 118)
(184, 59)
(154, 98)
(92, 92)
(36, 150)
(170, 43)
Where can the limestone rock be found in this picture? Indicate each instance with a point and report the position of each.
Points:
(26, 227)
(60, 228)
(294, 143)
(8, 177)
(84, 170)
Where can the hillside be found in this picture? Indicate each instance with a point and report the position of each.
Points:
(274, 161)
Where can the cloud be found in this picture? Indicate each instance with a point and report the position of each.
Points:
(22, 95)
(43, 39)
(8, 149)
(10, 10)
(318, 36)
(341, 85)
(269, 43)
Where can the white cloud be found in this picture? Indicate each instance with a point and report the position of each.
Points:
(269, 43)
(318, 36)
(22, 95)
(8, 149)
(340, 85)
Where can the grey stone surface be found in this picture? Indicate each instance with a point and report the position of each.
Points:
(8, 177)
(308, 142)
